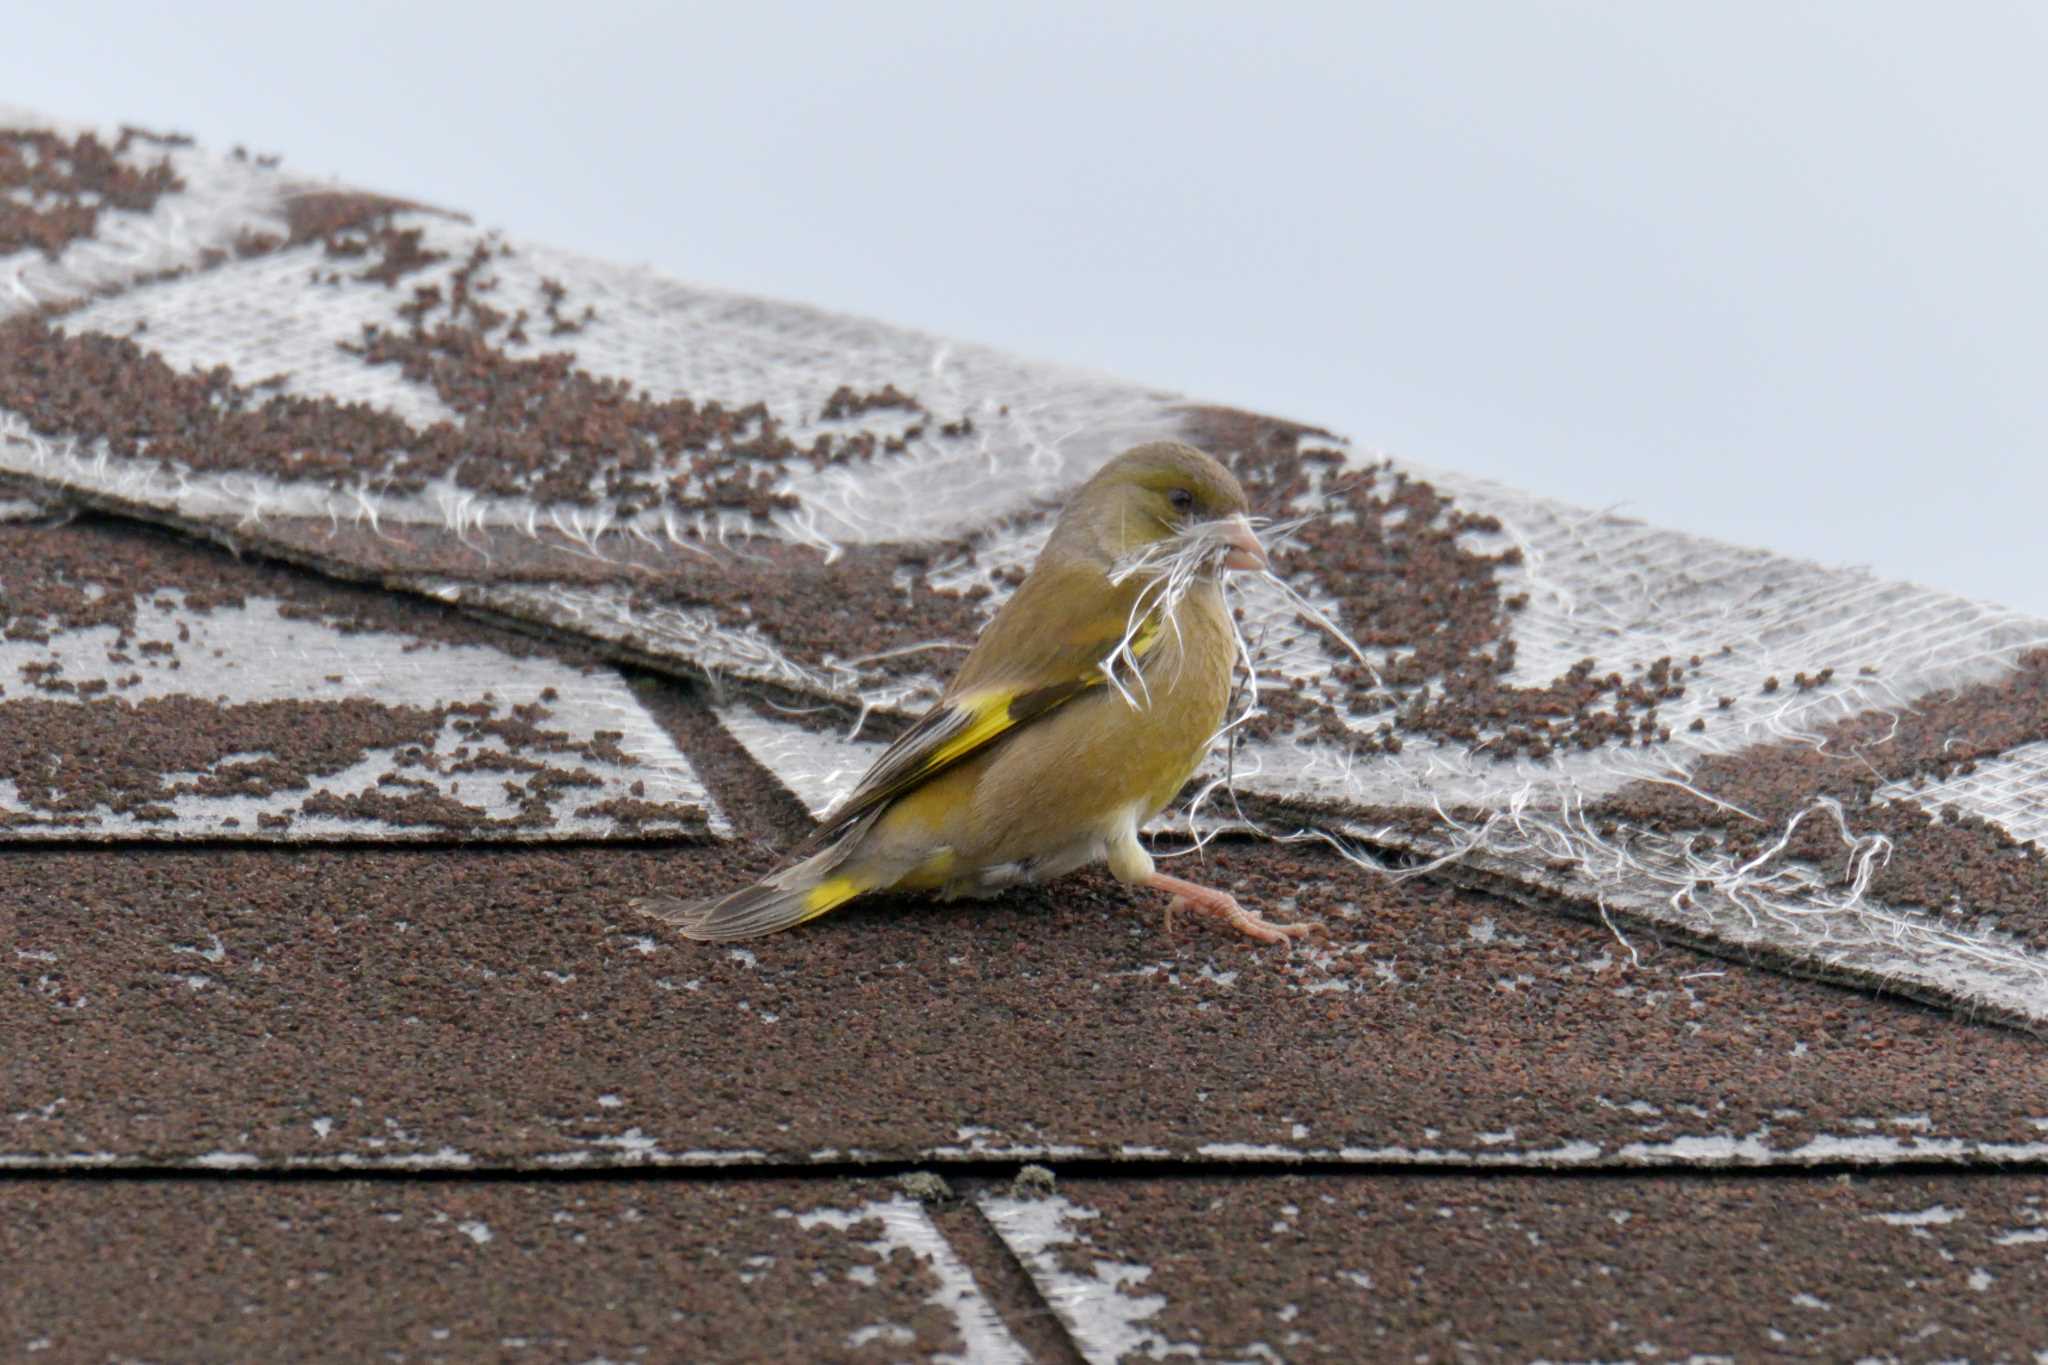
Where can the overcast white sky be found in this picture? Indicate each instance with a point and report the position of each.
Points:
(1774, 272)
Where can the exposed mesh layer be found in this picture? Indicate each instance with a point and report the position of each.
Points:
(2011, 791)
(216, 201)
(430, 742)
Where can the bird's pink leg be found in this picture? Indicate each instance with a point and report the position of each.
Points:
(1222, 905)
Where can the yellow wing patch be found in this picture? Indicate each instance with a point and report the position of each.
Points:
(965, 724)
(987, 715)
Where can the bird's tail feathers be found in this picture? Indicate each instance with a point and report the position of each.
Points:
(753, 911)
(797, 893)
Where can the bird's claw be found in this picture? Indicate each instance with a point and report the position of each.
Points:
(1223, 906)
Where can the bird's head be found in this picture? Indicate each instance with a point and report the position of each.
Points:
(1160, 503)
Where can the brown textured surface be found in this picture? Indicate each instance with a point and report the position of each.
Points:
(1346, 1268)
(244, 1270)
(168, 1005)
(1533, 1267)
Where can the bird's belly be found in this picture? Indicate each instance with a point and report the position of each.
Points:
(990, 879)
(1058, 794)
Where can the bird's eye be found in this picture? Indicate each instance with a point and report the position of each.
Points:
(1182, 500)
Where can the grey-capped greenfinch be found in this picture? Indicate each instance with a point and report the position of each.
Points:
(1083, 709)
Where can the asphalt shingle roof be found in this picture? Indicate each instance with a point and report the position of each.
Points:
(1666, 885)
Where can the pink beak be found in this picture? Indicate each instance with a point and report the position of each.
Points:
(1245, 550)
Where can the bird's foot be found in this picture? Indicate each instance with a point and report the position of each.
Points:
(1207, 900)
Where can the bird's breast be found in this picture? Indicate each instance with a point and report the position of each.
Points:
(1187, 689)
(1055, 792)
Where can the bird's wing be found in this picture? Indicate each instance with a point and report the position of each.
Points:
(1050, 642)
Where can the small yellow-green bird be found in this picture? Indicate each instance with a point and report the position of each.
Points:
(1083, 709)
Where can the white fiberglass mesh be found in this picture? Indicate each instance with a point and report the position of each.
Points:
(2011, 791)
(1035, 429)
(223, 199)
(1613, 590)
(259, 651)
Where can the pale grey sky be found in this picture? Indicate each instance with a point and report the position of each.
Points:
(1769, 271)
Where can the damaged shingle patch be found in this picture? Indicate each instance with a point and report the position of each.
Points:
(530, 424)
(156, 688)
(1394, 553)
(53, 188)
(1957, 866)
